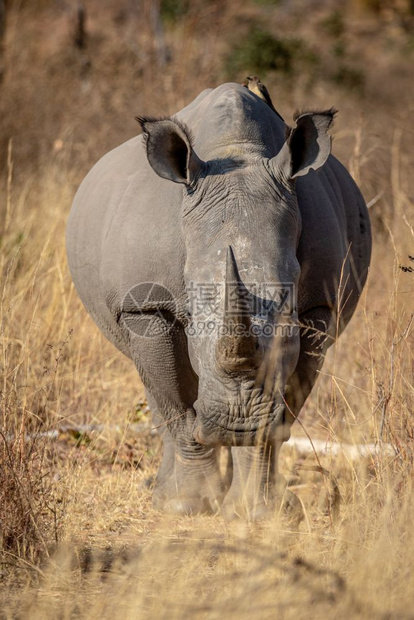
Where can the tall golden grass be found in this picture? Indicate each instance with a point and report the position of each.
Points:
(78, 535)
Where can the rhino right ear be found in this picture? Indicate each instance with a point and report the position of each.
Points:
(169, 150)
(307, 146)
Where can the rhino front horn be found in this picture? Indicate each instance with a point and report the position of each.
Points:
(237, 345)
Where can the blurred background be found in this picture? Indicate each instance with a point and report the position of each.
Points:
(74, 74)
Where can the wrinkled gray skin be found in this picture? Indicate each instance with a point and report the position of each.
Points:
(239, 202)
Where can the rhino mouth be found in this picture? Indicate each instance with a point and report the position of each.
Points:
(236, 425)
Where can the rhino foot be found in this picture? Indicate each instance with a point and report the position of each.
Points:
(184, 504)
(257, 507)
(188, 506)
(239, 509)
(191, 488)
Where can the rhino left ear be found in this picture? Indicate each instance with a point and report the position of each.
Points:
(307, 145)
(169, 149)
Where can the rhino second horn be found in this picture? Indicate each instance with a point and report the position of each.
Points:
(237, 346)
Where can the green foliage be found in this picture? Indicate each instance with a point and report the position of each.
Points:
(173, 10)
(267, 2)
(349, 78)
(339, 71)
(80, 438)
(334, 24)
(140, 413)
(259, 52)
(339, 49)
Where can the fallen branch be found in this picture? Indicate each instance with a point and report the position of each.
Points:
(322, 447)
(302, 445)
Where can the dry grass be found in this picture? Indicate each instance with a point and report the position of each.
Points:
(116, 557)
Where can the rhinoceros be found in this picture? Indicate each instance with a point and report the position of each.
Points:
(223, 252)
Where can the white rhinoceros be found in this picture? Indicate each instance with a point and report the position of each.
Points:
(223, 253)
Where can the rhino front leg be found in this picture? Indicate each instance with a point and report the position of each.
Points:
(168, 446)
(255, 487)
(256, 484)
(193, 484)
(189, 480)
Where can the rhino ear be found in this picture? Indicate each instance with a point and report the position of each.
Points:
(169, 149)
(307, 145)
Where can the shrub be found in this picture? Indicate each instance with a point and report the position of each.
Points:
(27, 510)
(260, 52)
(334, 24)
(173, 10)
(349, 78)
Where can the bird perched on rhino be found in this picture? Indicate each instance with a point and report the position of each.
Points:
(258, 88)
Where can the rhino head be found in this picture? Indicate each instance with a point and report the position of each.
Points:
(241, 226)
